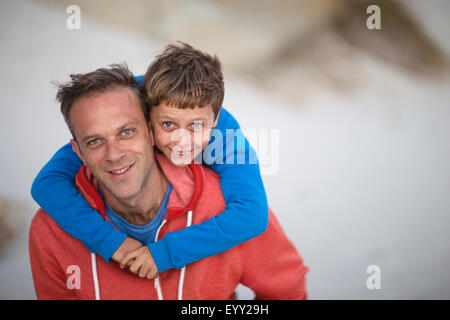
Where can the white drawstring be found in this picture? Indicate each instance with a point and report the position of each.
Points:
(183, 270)
(157, 282)
(95, 276)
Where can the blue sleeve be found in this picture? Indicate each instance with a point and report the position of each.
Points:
(246, 214)
(54, 191)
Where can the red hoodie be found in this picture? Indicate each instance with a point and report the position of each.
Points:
(268, 264)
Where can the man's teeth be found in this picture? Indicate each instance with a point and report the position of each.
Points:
(120, 171)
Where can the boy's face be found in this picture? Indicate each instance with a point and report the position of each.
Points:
(181, 134)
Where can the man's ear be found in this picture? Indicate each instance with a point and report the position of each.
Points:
(76, 149)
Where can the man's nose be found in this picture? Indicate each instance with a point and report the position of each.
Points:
(114, 152)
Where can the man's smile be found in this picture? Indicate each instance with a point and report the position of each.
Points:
(121, 172)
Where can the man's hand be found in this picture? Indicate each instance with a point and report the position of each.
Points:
(127, 246)
(141, 263)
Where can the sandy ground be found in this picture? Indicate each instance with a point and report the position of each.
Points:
(363, 178)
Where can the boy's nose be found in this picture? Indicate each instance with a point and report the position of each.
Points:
(182, 138)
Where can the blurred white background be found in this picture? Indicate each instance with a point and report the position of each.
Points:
(363, 116)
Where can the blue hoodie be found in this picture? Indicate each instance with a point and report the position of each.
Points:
(245, 216)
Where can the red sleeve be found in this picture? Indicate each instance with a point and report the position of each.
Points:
(48, 276)
(273, 268)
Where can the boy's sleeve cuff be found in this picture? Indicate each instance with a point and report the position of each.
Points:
(111, 243)
(160, 254)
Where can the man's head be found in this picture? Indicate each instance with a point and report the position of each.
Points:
(100, 80)
(184, 91)
(109, 123)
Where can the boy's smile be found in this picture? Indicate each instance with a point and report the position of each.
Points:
(181, 134)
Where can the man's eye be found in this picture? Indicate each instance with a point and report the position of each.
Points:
(167, 124)
(127, 132)
(94, 142)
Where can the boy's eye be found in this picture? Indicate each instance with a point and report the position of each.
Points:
(167, 124)
(128, 132)
(197, 125)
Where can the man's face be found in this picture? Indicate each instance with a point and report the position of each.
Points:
(114, 141)
(181, 134)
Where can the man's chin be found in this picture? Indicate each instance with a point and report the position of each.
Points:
(123, 195)
(120, 192)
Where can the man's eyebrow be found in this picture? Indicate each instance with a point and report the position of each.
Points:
(128, 124)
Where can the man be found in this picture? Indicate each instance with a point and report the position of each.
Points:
(124, 175)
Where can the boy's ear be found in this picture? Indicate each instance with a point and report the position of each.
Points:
(217, 119)
(76, 149)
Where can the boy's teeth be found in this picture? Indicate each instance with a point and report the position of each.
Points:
(120, 171)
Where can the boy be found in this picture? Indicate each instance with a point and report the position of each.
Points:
(184, 89)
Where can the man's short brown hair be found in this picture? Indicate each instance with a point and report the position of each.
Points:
(184, 77)
(100, 80)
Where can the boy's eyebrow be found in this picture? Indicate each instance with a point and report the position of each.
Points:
(164, 117)
(167, 117)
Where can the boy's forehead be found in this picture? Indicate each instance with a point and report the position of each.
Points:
(175, 112)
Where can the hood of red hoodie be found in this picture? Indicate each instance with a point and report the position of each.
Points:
(187, 186)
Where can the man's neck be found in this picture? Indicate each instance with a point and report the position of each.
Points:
(140, 210)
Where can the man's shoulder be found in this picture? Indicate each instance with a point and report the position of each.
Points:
(41, 222)
(43, 227)
(41, 235)
(47, 238)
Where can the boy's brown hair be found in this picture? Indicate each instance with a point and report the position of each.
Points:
(184, 77)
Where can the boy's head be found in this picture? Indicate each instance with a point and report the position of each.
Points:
(184, 91)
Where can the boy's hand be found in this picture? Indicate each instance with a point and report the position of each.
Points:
(141, 263)
(128, 245)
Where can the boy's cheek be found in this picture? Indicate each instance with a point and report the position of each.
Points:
(202, 137)
(161, 138)
(203, 145)
(158, 142)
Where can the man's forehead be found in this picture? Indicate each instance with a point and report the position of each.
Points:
(117, 94)
(105, 111)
